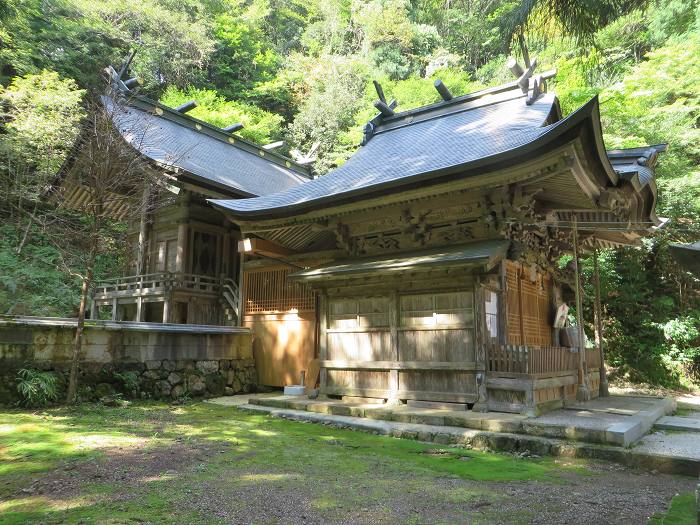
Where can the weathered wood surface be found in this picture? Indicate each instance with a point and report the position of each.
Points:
(283, 345)
(400, 346)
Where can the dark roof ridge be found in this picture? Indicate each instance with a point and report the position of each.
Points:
(472, 104)
(213, 132)
(464, 98)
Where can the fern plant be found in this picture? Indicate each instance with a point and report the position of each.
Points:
(36, 388)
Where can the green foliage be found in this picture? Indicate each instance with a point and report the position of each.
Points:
(683, 511)
(259, 125)
(42, 115)
(129, 382)
(35, 281)
(36, 388)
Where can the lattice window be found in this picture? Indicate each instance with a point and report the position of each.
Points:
(529, 306)
(267, 290)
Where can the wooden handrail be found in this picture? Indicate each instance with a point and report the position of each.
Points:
(522, 359)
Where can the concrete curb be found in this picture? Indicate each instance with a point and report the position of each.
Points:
(480, 439)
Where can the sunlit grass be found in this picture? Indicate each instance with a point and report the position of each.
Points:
(347, 468)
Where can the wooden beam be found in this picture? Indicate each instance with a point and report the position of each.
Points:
(400, 365)
(263, 247)
(443, 90)
(384, 108)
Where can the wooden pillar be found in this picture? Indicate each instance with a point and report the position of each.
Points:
(143, 231)
(603, 390)
(226, 253)
(323, 338)
(394, 328)
(166, 308)
(93, 309)
(115, 308)
(241, 289)
(519, 275)
(582, 393)
(181, 255)
(139, 309)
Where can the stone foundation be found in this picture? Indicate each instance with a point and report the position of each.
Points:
(136, 360)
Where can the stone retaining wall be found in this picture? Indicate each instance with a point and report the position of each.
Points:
(133, 359)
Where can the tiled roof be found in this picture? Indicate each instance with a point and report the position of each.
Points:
(202, 151)
(636, 164)
(417, 144)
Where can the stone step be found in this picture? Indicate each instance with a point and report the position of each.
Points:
(680, 423)
(498, 441)
(620, 432)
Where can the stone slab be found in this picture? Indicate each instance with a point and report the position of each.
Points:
(603, 423)
(414, 403)
(680, 423)
(668, 461)
(670, 444)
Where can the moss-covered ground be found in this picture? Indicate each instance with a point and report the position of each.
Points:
(203, 463)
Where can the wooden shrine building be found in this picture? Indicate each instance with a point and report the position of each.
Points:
(433, 250)
(425, 268)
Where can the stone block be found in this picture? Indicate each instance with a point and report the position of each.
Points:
(170, 365)
(196, 385)
(174, 378)
(162, 389)
(153, 365)
(177, 391)
(184, 364)
(216, 384)
(151, 374)
(207, 367)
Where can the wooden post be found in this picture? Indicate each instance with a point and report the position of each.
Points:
(93, 309)
(241, 289)
(519, 275)
(139, 309)
(115, 308)
(143, 231)
(393, 326)
(582, 394)
(603, 390)
(323, 338)
(166, 308)
(181, 255)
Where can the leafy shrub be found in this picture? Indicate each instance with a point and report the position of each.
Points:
(129, 381)
(36, 388)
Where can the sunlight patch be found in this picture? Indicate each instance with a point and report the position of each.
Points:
(93, 441)
(266, 433)
(30, 503)
(265, 477)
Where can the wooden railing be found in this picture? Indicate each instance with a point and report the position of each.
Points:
(159, 280)
(534, 360)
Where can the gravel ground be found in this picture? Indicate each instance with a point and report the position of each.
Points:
(612, 495)
(237, 494)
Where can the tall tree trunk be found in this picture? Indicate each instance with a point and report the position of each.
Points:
(84, 291)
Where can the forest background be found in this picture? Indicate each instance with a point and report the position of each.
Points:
(302, 71)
